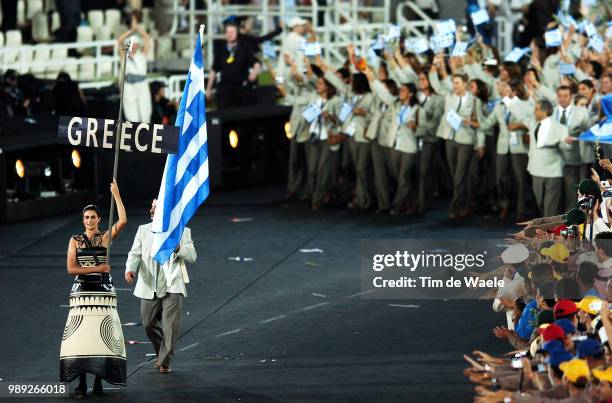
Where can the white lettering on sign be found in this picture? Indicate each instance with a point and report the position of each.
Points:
(125, 135)
(74, 141)
(92, 127)
(107, 134)
(156, 139)
(141, 126)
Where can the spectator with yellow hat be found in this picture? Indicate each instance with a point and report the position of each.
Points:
(602, 384)
(576, 377)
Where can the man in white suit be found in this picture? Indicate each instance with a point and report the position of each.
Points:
(161, 289)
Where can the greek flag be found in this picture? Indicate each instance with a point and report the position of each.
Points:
(184, 185)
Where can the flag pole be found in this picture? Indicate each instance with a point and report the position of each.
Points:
(127, 51)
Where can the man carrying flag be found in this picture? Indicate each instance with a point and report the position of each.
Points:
(162, 247)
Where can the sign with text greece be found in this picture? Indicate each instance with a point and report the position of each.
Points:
(100, 133)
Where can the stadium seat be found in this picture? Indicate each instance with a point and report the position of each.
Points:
(59, 53)
(71, 68)
(21, 13)
(13, 38)
(24, 58)
(164, 47)
(87, 72)
(151, 53)
(40, 27)
(104, 67)
(147, 22)
(112, 18)
(95, 18)
(41, 55)
(33, 7)
(84, 34)
(55, 21)
(103, 33)
(183, 47)
(49, 5)
(1, 39)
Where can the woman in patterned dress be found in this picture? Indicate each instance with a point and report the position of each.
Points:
(92, 340)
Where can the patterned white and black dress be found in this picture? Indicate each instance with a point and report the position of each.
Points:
(93, 339)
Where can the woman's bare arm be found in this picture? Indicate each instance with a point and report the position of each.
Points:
(73, 266)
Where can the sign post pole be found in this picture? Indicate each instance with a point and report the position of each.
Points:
(127, 50)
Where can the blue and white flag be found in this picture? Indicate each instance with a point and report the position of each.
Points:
(602, 131)
(394, 32)
(460, 49)
(597, 43)
(269, 50)
(480, 17)
(445, 27)
(567, 69)
(516, 54)
(416, 45)
(553, 38)
(184, 185)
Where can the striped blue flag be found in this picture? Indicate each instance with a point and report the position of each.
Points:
(602, 131)
(185, 184)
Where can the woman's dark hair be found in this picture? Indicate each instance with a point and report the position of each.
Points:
(316, 70)
(425, 71)
(92, 207)
(413, 93)
(493, 68)
(344, 72)
(535, 73)
(383, 65)
(567, 288)
(482, 92)
(462, 77)
(517, 86)
(391, 86)
(597, 69)
(513, 69)
(360, 83)
(138, 15)
(331, 90)
(413, 60)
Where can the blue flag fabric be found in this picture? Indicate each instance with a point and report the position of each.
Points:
(184, 185)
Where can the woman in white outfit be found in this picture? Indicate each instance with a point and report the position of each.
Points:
(137, 95)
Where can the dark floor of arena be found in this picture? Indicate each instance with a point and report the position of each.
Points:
(285, 327)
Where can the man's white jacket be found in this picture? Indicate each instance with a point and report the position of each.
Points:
(152, 277)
